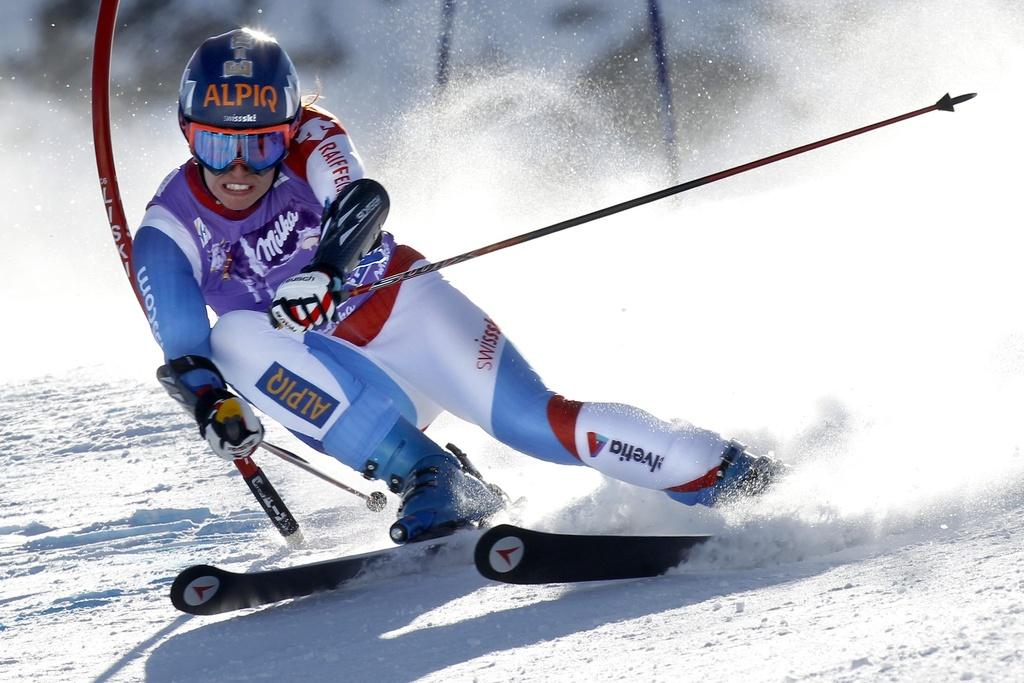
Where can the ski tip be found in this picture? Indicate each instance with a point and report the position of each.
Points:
(196, 589)
(946, 103)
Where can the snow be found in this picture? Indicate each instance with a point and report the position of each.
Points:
(855, 310)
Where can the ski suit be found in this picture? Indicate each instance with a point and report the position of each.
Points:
(411, 350)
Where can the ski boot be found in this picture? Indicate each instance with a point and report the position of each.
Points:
(742, 474)
(439, 492)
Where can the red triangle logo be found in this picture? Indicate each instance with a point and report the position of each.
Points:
(201, 591)
(507, 553)
(596, 442)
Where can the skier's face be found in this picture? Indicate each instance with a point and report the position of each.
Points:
(238, 188)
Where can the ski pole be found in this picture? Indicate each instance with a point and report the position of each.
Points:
(946, 103)
(261, 488)
(375, 502)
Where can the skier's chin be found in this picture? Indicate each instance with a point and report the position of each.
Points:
(236, 190)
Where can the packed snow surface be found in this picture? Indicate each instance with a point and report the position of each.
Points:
(855, 310)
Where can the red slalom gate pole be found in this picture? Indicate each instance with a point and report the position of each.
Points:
(101, 138)
(946, 103)
(261, 488)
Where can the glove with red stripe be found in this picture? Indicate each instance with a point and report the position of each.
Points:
(305, 302)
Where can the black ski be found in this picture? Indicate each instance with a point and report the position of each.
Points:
(512, 554)
(203, 589)
(504, 553)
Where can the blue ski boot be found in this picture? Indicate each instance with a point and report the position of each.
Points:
(440, 491)
(742, 474)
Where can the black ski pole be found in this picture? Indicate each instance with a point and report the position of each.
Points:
(375, 501)
(946, 103)
(269, 499)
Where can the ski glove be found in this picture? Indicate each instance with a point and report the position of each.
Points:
(228, 424)
(305, 302)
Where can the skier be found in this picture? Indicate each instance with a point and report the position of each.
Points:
(269, 224)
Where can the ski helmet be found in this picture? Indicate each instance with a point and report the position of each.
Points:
(237, 80)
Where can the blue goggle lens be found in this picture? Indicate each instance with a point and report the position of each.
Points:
(218, 151)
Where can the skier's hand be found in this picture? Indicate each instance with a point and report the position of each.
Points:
(305, 302)
(228, 424)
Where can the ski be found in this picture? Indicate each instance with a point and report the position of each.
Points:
(204, 589)
(512, 554)
(505, 553)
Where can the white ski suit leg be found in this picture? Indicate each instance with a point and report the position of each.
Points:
(339, 403)
(435, 349)
(445, 348)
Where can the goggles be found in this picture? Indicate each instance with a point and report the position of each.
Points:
(219, 148)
